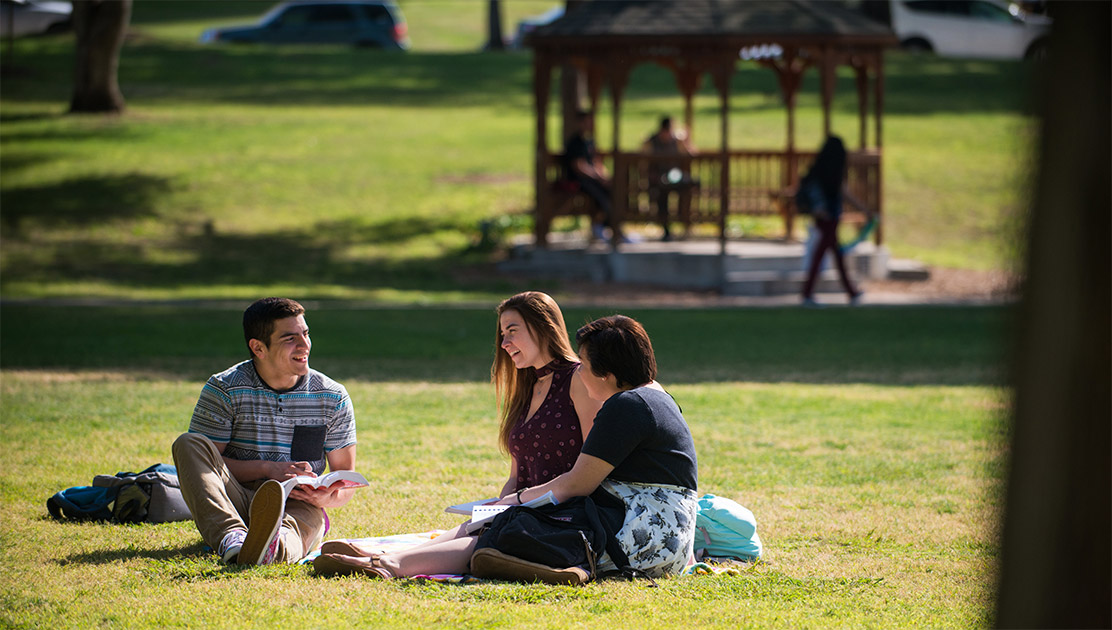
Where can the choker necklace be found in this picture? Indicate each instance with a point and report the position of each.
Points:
(542, 372)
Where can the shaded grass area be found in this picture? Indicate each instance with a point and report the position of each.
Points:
(927, 345)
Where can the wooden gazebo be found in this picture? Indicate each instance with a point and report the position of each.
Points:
(605, 39)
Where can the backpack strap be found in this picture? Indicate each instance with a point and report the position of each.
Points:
(611, 515)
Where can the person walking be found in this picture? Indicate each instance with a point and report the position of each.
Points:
(827, 177)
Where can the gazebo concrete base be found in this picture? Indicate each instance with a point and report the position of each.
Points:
(749, 267)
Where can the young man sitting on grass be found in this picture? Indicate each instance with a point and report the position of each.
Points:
(265, 420)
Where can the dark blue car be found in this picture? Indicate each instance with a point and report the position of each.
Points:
(370, 23)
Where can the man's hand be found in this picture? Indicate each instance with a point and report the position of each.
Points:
(320, 497)
(287, 470)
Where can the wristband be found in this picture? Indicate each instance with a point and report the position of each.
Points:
(519, 496)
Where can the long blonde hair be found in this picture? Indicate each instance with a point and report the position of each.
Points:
(514, 387)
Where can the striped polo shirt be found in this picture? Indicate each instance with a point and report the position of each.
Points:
(257, 423)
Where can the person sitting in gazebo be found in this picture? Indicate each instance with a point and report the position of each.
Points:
(583, 166)
(666, 176)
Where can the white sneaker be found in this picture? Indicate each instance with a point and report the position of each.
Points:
(230, 545)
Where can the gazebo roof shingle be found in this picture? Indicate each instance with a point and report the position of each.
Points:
(727, 19)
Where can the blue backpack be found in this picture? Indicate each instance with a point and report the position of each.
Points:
(725, 529)
(150, 496)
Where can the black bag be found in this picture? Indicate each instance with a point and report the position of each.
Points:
(558, 544)
(150, 496)
(809, 197)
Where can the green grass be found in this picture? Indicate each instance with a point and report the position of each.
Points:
(897, 346)
(355, 174)
(869, 443)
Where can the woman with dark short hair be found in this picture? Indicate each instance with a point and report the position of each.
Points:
(640, 448)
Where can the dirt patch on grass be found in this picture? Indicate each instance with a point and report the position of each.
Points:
(954, 283)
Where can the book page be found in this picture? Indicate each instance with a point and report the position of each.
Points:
(350, 479)
(480, 514)
(465, 508)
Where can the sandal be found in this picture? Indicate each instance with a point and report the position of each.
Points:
(339, 564)
(345, 548)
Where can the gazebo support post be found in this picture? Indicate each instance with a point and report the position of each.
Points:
(542, 77)
(722, 74)
(826, 81)
(862, 73)
(789, 74)
(571, 97)
(619, 76)
(879, 87)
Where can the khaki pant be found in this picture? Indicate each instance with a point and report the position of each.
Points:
(219, 503)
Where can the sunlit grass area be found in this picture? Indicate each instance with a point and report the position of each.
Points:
(869, 444)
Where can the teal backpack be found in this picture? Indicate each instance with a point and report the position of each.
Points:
(150, 496)
(725, 529)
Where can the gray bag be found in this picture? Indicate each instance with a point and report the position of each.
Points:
(151, 496)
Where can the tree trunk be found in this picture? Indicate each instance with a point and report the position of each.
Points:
(1056, 556)
(99, 27)
(494, 26)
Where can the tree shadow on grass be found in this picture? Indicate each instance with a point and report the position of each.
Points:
(26, 117)
(317, 255)
(82, 201)
(10, 164)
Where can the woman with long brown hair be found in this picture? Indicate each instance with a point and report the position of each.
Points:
(544, 408)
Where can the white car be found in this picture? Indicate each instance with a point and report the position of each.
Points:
(986, 29)
(19, 18)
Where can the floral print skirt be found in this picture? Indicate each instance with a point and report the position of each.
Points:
(659, 529)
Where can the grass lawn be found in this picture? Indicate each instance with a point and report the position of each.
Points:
(869, 443)
(335, 173)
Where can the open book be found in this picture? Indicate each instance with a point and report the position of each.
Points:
(349, 478)
(465, 508)
(482, 513)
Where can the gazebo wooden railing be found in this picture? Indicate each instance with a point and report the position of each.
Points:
(761, 183)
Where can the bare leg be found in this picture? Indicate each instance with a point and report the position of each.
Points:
(452, 555)
(455, 532)
(451, 534)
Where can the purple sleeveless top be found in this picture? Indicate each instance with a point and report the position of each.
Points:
(546, 445)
